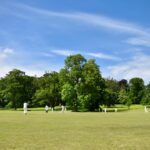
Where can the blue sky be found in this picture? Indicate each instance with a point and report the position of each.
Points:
(37, 35)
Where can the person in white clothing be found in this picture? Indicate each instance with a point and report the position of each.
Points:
(46, 109)
(25, 108)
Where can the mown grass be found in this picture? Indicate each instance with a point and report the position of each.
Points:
(127, 130)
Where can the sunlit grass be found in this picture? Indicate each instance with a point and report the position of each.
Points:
(127, 130)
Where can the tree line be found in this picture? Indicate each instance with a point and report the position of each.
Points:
(79, 85)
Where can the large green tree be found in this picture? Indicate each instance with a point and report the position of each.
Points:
(15, 90)
(72, 74)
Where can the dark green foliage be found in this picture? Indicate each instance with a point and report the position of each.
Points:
(49, 92)
(136, 90)
(124, 98)
(78, 85)
(146, 97)
(84, 83)
(15, 92)
(72, 74)
(123, 85)
(19, 88)
(111, 92)
(112, 84)
(3, 100)
(91, 86)
(68, 94)
(109, 98)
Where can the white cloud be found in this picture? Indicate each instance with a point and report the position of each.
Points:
(5, 65)
(141, 41)
(8, 51)
(96, 55)
(63, 52)
(6, 68)
(138, 66)
(9, 61)
(103, 56)
(5, 53)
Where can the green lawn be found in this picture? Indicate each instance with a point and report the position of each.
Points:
(127, 130)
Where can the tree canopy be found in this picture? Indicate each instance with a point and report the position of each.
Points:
(79, 85)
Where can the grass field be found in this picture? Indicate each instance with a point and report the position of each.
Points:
(127, 130)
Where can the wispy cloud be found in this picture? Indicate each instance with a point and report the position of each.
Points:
(47, 54)
(141, 41)
(138, 66)
(63, 52)
(96, 20)
(103, 56)
(137, 35)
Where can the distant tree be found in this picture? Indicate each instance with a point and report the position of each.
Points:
(15, 92)
(16, 88)
(146, 97)
(110, 97)
(111, 92)
(136, 86)
(30, 87)
(3, 100)
(123, 84)
(49, 91)
(112, 84)
(124, 98)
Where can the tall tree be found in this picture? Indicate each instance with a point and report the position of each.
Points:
(72, 73)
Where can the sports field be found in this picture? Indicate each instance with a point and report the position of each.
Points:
(127, 130)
